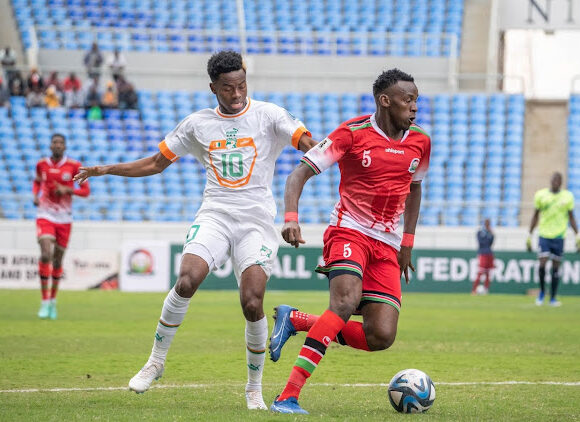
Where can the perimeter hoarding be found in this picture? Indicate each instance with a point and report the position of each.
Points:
(436, 271)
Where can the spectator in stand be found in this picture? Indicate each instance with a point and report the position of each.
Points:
(93, 61)
(54, 80)
(109, 98)
(51, 97)
(117, 64)
(93, 98)
(16, 85)
(34, 82)
(73, 95)
(8, 60)
(127, 94)
(4, 94)
(35, 85)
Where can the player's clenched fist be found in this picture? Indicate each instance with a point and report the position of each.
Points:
(291, 233)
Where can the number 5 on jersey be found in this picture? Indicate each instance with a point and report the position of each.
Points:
(366, 160)
(347, 250)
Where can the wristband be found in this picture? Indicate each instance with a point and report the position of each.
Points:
(291, 216)
(408, 240)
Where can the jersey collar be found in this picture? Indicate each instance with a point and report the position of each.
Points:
(229, 116)
(59, 164)
(383, 134)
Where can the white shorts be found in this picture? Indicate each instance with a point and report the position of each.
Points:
(216, 237)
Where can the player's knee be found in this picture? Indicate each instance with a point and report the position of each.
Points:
(252, 307)
(186, 285)
(381, 339)
(45, 257)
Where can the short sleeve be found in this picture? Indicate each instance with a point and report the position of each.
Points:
(287, 127)
(421, 171)
(331, 149)
(571, 202)
(179, 141)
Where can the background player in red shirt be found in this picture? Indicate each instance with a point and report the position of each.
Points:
(53, 189)
(382, 159)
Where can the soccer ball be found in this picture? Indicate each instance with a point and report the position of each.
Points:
(411, 391)
(481, 290)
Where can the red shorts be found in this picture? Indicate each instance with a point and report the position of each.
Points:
(486, 261)
(348, 251)
(58, 231)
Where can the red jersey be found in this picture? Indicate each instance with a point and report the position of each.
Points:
(375, 174)
(53, 207)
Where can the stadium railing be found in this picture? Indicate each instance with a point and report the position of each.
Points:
(254, 41)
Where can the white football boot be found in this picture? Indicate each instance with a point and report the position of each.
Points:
(145, 377)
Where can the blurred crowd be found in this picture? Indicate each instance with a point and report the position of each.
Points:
(51, 90)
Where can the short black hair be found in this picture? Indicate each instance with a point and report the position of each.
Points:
(58, 135)
(388, 78)
(224, 62)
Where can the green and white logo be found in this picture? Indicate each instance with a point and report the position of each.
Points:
(231, 138)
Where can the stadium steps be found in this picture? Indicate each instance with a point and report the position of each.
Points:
(545, 149)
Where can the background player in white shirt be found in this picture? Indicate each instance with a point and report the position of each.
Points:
(238, 142)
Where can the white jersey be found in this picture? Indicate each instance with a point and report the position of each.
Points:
(239, 154)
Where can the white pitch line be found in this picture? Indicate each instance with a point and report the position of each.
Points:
(167, 386)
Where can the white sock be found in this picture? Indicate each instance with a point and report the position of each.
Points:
(172, 314)
(256, 336)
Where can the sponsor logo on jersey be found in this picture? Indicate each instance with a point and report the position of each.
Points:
(414, 165)
(395, 151)
(67, 177)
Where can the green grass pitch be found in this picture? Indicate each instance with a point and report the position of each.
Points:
(77, 368)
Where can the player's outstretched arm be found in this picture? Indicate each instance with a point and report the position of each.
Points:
(139, 168)
(305, 143)
(294, 185)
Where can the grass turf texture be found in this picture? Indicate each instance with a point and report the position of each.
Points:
(102, 338)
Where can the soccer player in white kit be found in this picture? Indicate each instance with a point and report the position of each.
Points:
(238, 143)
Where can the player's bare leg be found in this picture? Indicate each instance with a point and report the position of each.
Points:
(192, 272)
(56, 276)
(45, 270)
(252, 289)
(380, 325)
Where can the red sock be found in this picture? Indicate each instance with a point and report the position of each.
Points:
(351, 335)
(302, 321)
(44, 270)
(476, 282)
(487, 280)
(317, 340)
(56, 276)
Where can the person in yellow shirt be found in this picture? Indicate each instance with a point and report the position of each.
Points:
(51, 97)
(554, 209)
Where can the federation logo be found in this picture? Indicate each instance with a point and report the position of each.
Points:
(414, 165)
(66, 177)
(141, 262)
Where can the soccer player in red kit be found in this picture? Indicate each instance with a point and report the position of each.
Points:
(53, 189)
(382, 159)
